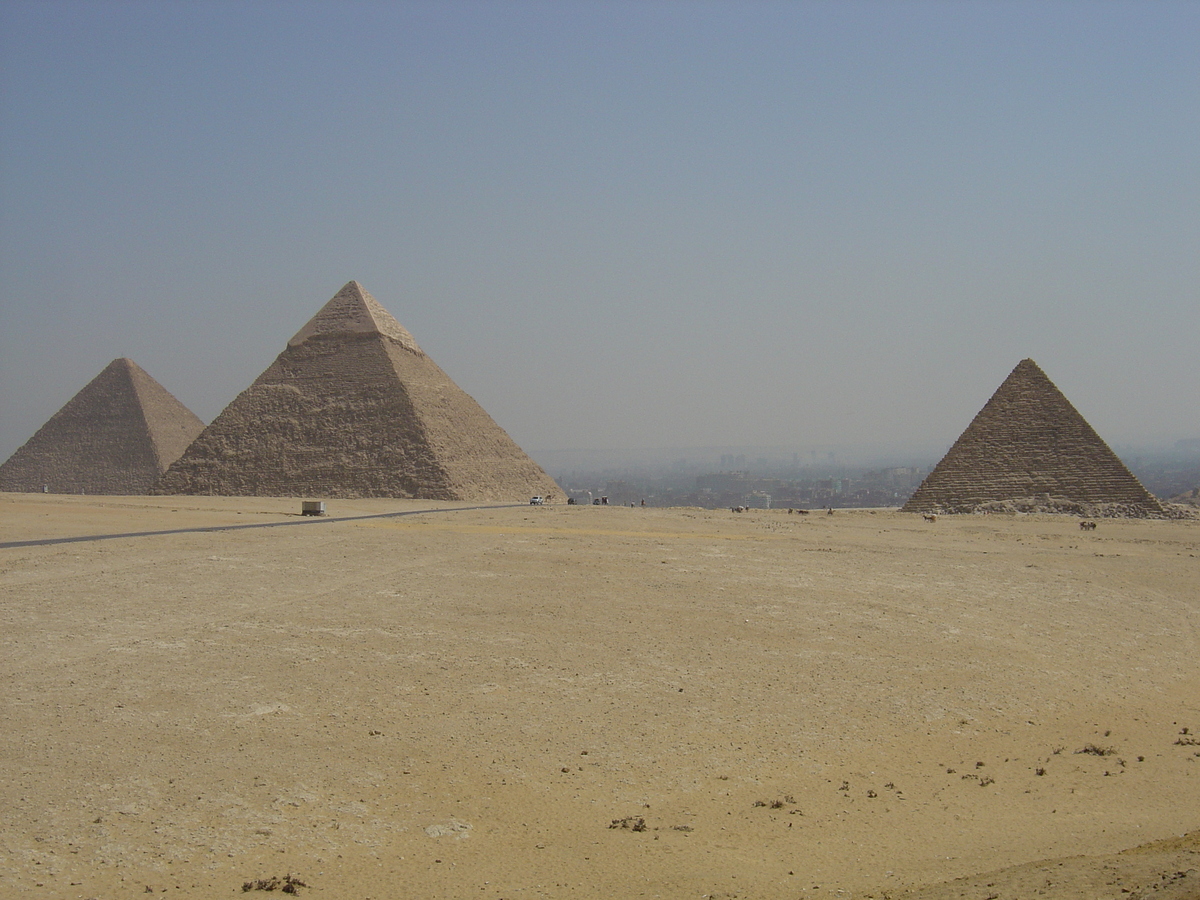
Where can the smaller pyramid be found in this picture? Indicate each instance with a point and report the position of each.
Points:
(116, 436)
(1029, 450)
(1188, 498)
(352, 407)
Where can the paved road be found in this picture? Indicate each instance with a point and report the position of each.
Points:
(304, 520)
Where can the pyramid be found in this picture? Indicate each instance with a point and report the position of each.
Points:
(116, 436)
(1029, 449)
(354, 408)
(1188, 498)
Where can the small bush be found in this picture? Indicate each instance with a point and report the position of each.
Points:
(288, 884)
(631, 823)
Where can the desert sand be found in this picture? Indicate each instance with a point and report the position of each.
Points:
(596, 702)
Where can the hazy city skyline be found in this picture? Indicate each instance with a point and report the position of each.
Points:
(616, 225)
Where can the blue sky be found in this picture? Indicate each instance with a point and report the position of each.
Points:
(616, 225)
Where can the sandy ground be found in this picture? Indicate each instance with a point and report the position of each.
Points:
(464, 703)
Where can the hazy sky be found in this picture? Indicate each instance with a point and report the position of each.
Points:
(616, 225)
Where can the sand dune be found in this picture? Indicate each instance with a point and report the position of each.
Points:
(595, 702)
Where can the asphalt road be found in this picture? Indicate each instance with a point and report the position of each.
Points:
(304, 520)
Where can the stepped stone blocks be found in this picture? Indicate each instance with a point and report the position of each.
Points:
(1029, 450)
(116, 436)
(354, 408)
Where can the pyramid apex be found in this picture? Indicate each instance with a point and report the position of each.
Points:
(1025, 375)
(353, 310)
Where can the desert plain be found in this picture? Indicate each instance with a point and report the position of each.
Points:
(413, 699)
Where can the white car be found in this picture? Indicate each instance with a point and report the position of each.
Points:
(536, 501)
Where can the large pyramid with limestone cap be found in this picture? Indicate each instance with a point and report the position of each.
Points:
(354, 408)
(1029, 450)
(116, 436)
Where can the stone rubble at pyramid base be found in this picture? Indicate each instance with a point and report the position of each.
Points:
(310, 489)
(1188, 498)
(1056, 506)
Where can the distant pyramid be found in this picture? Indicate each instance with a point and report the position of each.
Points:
(1188, 498)
(1030, 449)
(354, 408)
(116, 436)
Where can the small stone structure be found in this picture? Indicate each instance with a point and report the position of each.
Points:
(354, 408)
(116, 436)
(1188, 498)
(1029, 450)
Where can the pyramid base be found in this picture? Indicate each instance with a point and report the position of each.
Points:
(1045, 504)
